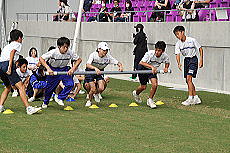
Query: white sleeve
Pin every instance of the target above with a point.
(17, 47)
(146, 58)
(74, 55)
(196, 44)
(112, 60)
(90, 60)
(48, 55)
(166, 59)
(177, 49)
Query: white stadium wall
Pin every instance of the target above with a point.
(213, 36)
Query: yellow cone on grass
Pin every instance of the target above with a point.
(93, 106)
(68, 108)
(159, 103)
(8, 111)
(133, 104)
(113, 105)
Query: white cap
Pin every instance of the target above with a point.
(103, 46)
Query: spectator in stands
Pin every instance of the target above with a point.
(160, 5)
(103, 15)
(116, 15)
(128, 16)
(176, 4)
(201, 3)
(87, 5)
(63, 12)
(190, 15)
(140, 40)
(33, 59)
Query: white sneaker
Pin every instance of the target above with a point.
(136, 97)
(99, 95)
(96, 98)
(2, 109)
(81, 92)
(58, 101)
(151, 103)
(15, 93)
(197, 100)
(188, 102)
(87, 96)
(88, 103)
(31, 99)
(31, 110)
(44, 105)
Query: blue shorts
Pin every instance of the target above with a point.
(93, 77)
(144, 78)
(190, 66)
(13, 77)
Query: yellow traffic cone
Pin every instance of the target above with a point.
(113, 105)
(8, 111)
(93, 106)
(68, 108)
(159, 103)
(133, 105)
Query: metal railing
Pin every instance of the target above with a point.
(49, 16)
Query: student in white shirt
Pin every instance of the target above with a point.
(151, 61)
(97, 61)
(33, 59)
(9, 55)
(189, 48)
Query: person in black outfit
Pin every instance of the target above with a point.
(116, 12)
(87, 5)
(160, 5)
(127, 14)
(140, 40)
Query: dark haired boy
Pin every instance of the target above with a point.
(189, 48)
(151, 60)
(10, 54)
(58, 60)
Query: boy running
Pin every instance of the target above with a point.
(151, 60)
(10, 54)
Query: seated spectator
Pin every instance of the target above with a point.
(63, 12)
(33, 60)
(176, 4)
(201, 3)
(188, 15)
(37, 84)
(128, 16)
(87, 5)
(116, 15)
(103, 15)
(160, 5)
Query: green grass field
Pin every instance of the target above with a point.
(169, 128)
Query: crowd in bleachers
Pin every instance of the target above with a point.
(144, 10)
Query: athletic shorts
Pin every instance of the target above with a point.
(190, 66)
(144, 78)
(4, 78)
(93, 77)
(13, 77)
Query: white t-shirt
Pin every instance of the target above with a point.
(151, 58)
(99, 62)
(32, 61)
(5, 55)
(23, 76)
(56, 59)
(189, 48)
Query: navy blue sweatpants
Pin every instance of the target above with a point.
(53, 81)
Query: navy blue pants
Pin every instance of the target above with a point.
(190, 66)
(53, 81)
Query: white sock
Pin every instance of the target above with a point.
(196, 96)
(1, 106)
(190, 97)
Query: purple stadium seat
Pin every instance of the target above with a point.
(178, 18)
(215, 3)
(143, 18)
(149, 7)
(135, 18)
(171, 16)
(224, 4)
(203, 15)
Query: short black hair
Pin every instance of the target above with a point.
(22, 61)
(15, 34)
(63, 40)
(178, 28)
(160, 45)
(51, 48)
(30, 51)
(41, 69)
